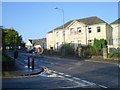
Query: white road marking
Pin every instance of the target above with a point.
(91, 83)
(67, 75)
(61, 73)
(78, 81)
(54, 71)
(76, 78)
(60, 76)
(103, 86)
(27, 67)
(69, 79)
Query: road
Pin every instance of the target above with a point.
(69, 72)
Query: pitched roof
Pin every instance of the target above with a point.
(88, 21)
(65, 25)
(91, 20)
(37, 41)
(116, 21)
(49, 32)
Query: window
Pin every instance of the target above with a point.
(89, 30)
(56, 34)
(79, 42)
(118, 41)
(98, 29)
(90, 42)
(116, 28)
(71, 30)
(79, 29)
(57, 45)
(63, 33)
(72, 43)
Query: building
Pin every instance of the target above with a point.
(79, 31)
(116, 35)
(36, 43)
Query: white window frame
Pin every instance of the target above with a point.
(90, 42)
(79, 29)
(89, 30)
(63, 33)
(79, 42)
(57, 33)
(71, 30)
(98, 28)
(57, 45)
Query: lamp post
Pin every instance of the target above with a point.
(62, 27)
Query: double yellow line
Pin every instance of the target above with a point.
(27, 76)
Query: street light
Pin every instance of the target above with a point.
(63, 27)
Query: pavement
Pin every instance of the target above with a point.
(21, 71)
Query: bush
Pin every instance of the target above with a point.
(7, 63)
(58, 53)
(46, 51)
(114, 55)
(86, 51)
(69, 50)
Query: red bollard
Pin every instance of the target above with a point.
(32, 63)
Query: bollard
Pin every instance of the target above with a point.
(15, 54)
(32, 63)
(28, 62)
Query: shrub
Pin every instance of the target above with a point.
(69, 50)
(114, 55)
(7, 63)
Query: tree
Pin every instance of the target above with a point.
(11, 38)
(99, 44)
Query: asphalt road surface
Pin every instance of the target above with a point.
(67, 73)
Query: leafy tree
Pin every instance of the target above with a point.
(11, 37)
(99, 44)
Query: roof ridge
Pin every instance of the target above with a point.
(87, 17)
(116, 21)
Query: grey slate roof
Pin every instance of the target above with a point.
(116, 21)
(37, 41)
(65, 25)
(88, 21)
(49, 32)
(91, 20)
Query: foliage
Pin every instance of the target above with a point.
(10, 38)
(46, 51)
(69, 50)
(58, 53)
(98, 45)
(95, 49)
(85, 52)
(114, 55)
(4, 58)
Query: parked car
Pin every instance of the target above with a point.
(36, 50)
